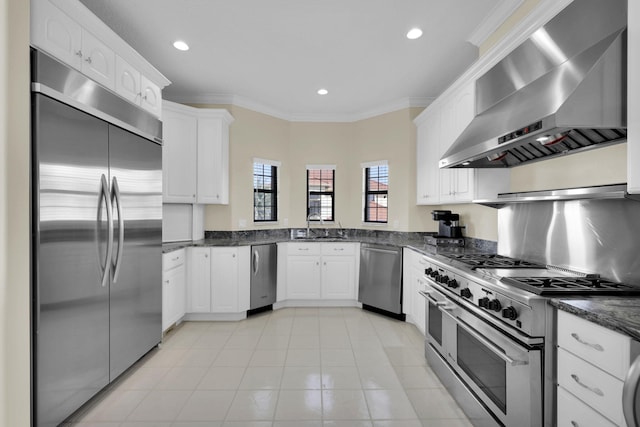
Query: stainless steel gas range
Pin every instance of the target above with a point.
(490, 333)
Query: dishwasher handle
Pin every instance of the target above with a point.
(380, 250)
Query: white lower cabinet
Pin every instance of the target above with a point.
(320, 271)
(338, 276)
(303, 277)
(219, 280)
(173, 287)
(592, 365)
(413, 304)
(199, 283)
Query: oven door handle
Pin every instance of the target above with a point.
(496, 350)
(426, 293)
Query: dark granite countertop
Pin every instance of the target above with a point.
(620, 314)
(397, 240)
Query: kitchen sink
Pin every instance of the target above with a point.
(303, 236)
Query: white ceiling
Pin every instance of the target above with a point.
(273, 55)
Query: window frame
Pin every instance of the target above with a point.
(369, 192)
(274, 166)
(332, 194)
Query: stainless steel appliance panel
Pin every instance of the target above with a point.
(584, 235)
(71, 259)
(505, 375)
(264, 267)
(381, 277)
(136, 293)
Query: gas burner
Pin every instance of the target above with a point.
(492, 261)
(571, 285)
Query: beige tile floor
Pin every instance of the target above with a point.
(294, 367)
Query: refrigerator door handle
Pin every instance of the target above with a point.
(107, 200)
(630, 393)
(256, 261)
(116, 200)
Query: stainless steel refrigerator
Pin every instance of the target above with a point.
(97, 238)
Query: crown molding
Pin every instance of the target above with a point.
(241, 101)
(498, 15)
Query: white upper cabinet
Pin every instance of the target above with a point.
(127, 80)
(213, 157)
(137, 88)
(55, 32)
(179, 151)
(427, 157)
(98, 61)
(437, 130)
(67, 30)
(150, 96)
(195, 154)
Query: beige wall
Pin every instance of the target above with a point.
(14, 214)
(252, 135)
(596, 167)
(389, 137)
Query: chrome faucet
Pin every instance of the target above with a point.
(311, 216)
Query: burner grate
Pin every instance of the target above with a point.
(571, 285)
(491, 260)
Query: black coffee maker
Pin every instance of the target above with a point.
(449, 224)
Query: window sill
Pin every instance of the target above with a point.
(375, 224)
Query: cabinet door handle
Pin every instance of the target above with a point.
(595, 390)
(79, 53)
(338, 249)
(88, 60)
(303, 249)
(597, 347)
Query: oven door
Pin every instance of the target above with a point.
(504, 374)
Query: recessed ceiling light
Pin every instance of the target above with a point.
(414, 33)
(180, 45)
(322, 91)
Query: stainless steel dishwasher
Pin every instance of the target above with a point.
(264, 267)
(380, 287)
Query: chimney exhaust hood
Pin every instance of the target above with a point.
(563, 90)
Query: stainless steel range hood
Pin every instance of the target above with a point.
(562, 91)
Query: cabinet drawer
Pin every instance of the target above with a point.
(303, 248)
(572, 412)
(604, 348)
(338, 248)
(172, 259)
(596, 388)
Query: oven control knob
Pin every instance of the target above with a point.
(483, 302)
(466, 293)
(510, 313)
(428, 271)
(495, 305)
(453, 283)
(435, 275)
(443, 279)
